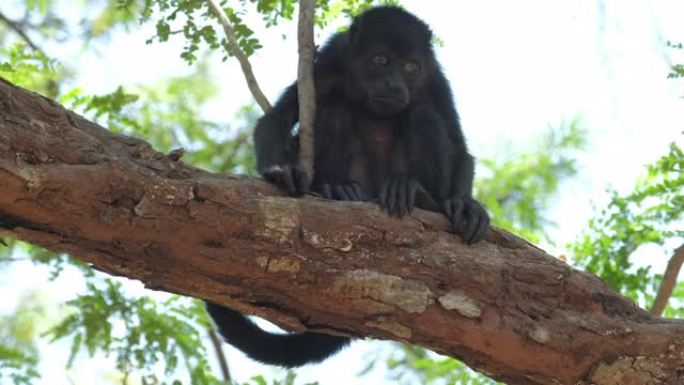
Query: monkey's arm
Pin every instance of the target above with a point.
(469, 218)
(445, 168)
(277, 148)
(273, 137)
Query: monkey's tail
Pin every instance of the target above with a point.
(287, 350)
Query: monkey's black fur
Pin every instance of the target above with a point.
(386, 129)
(288, 350)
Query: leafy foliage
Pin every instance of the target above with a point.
(31, 69)
(289, 379)
(651, 214)
(17, 365)
(416, 365)
(18, 355)
(153, 333)
(517, 188)
(168, 116)
(190, 19)
(677, 69)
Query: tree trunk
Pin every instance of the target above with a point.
(503, 306)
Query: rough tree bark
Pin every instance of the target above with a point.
(503, 306)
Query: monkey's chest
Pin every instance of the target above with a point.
(371, 161)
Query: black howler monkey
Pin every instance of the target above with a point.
(386, 130)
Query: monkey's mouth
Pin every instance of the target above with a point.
(386, 106)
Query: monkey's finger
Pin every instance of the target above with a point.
(469, 228)
(302, 182)
(448, 208)
(359, 192)
(402, 196)
(392, 197)
(384, 192)
(387, 195)
(283, 179)
(289, 181)
(426, 202)
(327, 193)
(471, 218)
(288, 178)
(272, 177)
(349, 190)
(457, 213)
(482, 226)
(340, 193)
(413, 189)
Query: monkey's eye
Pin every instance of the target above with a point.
(411, 67)
(380, 60)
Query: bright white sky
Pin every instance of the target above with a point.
(516, 68)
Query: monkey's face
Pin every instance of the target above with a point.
(387, 81)
(389, 60)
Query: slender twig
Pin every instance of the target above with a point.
(223, 362)
(235, 50)
(669, 280)
(19, 30)
(305, 84)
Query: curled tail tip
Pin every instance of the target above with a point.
(286, 350)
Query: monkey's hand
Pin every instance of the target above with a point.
(344, 191)
(468, 218)
(398, 194)
(291, 178)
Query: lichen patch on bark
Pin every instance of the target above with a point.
(409, 295)
(456, 300)
(540, 334)
(336, 241)
(637, 370)
(280, 220)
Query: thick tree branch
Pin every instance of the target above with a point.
(503, 306)
(669, 281)
(235, 50)
(305, 84)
